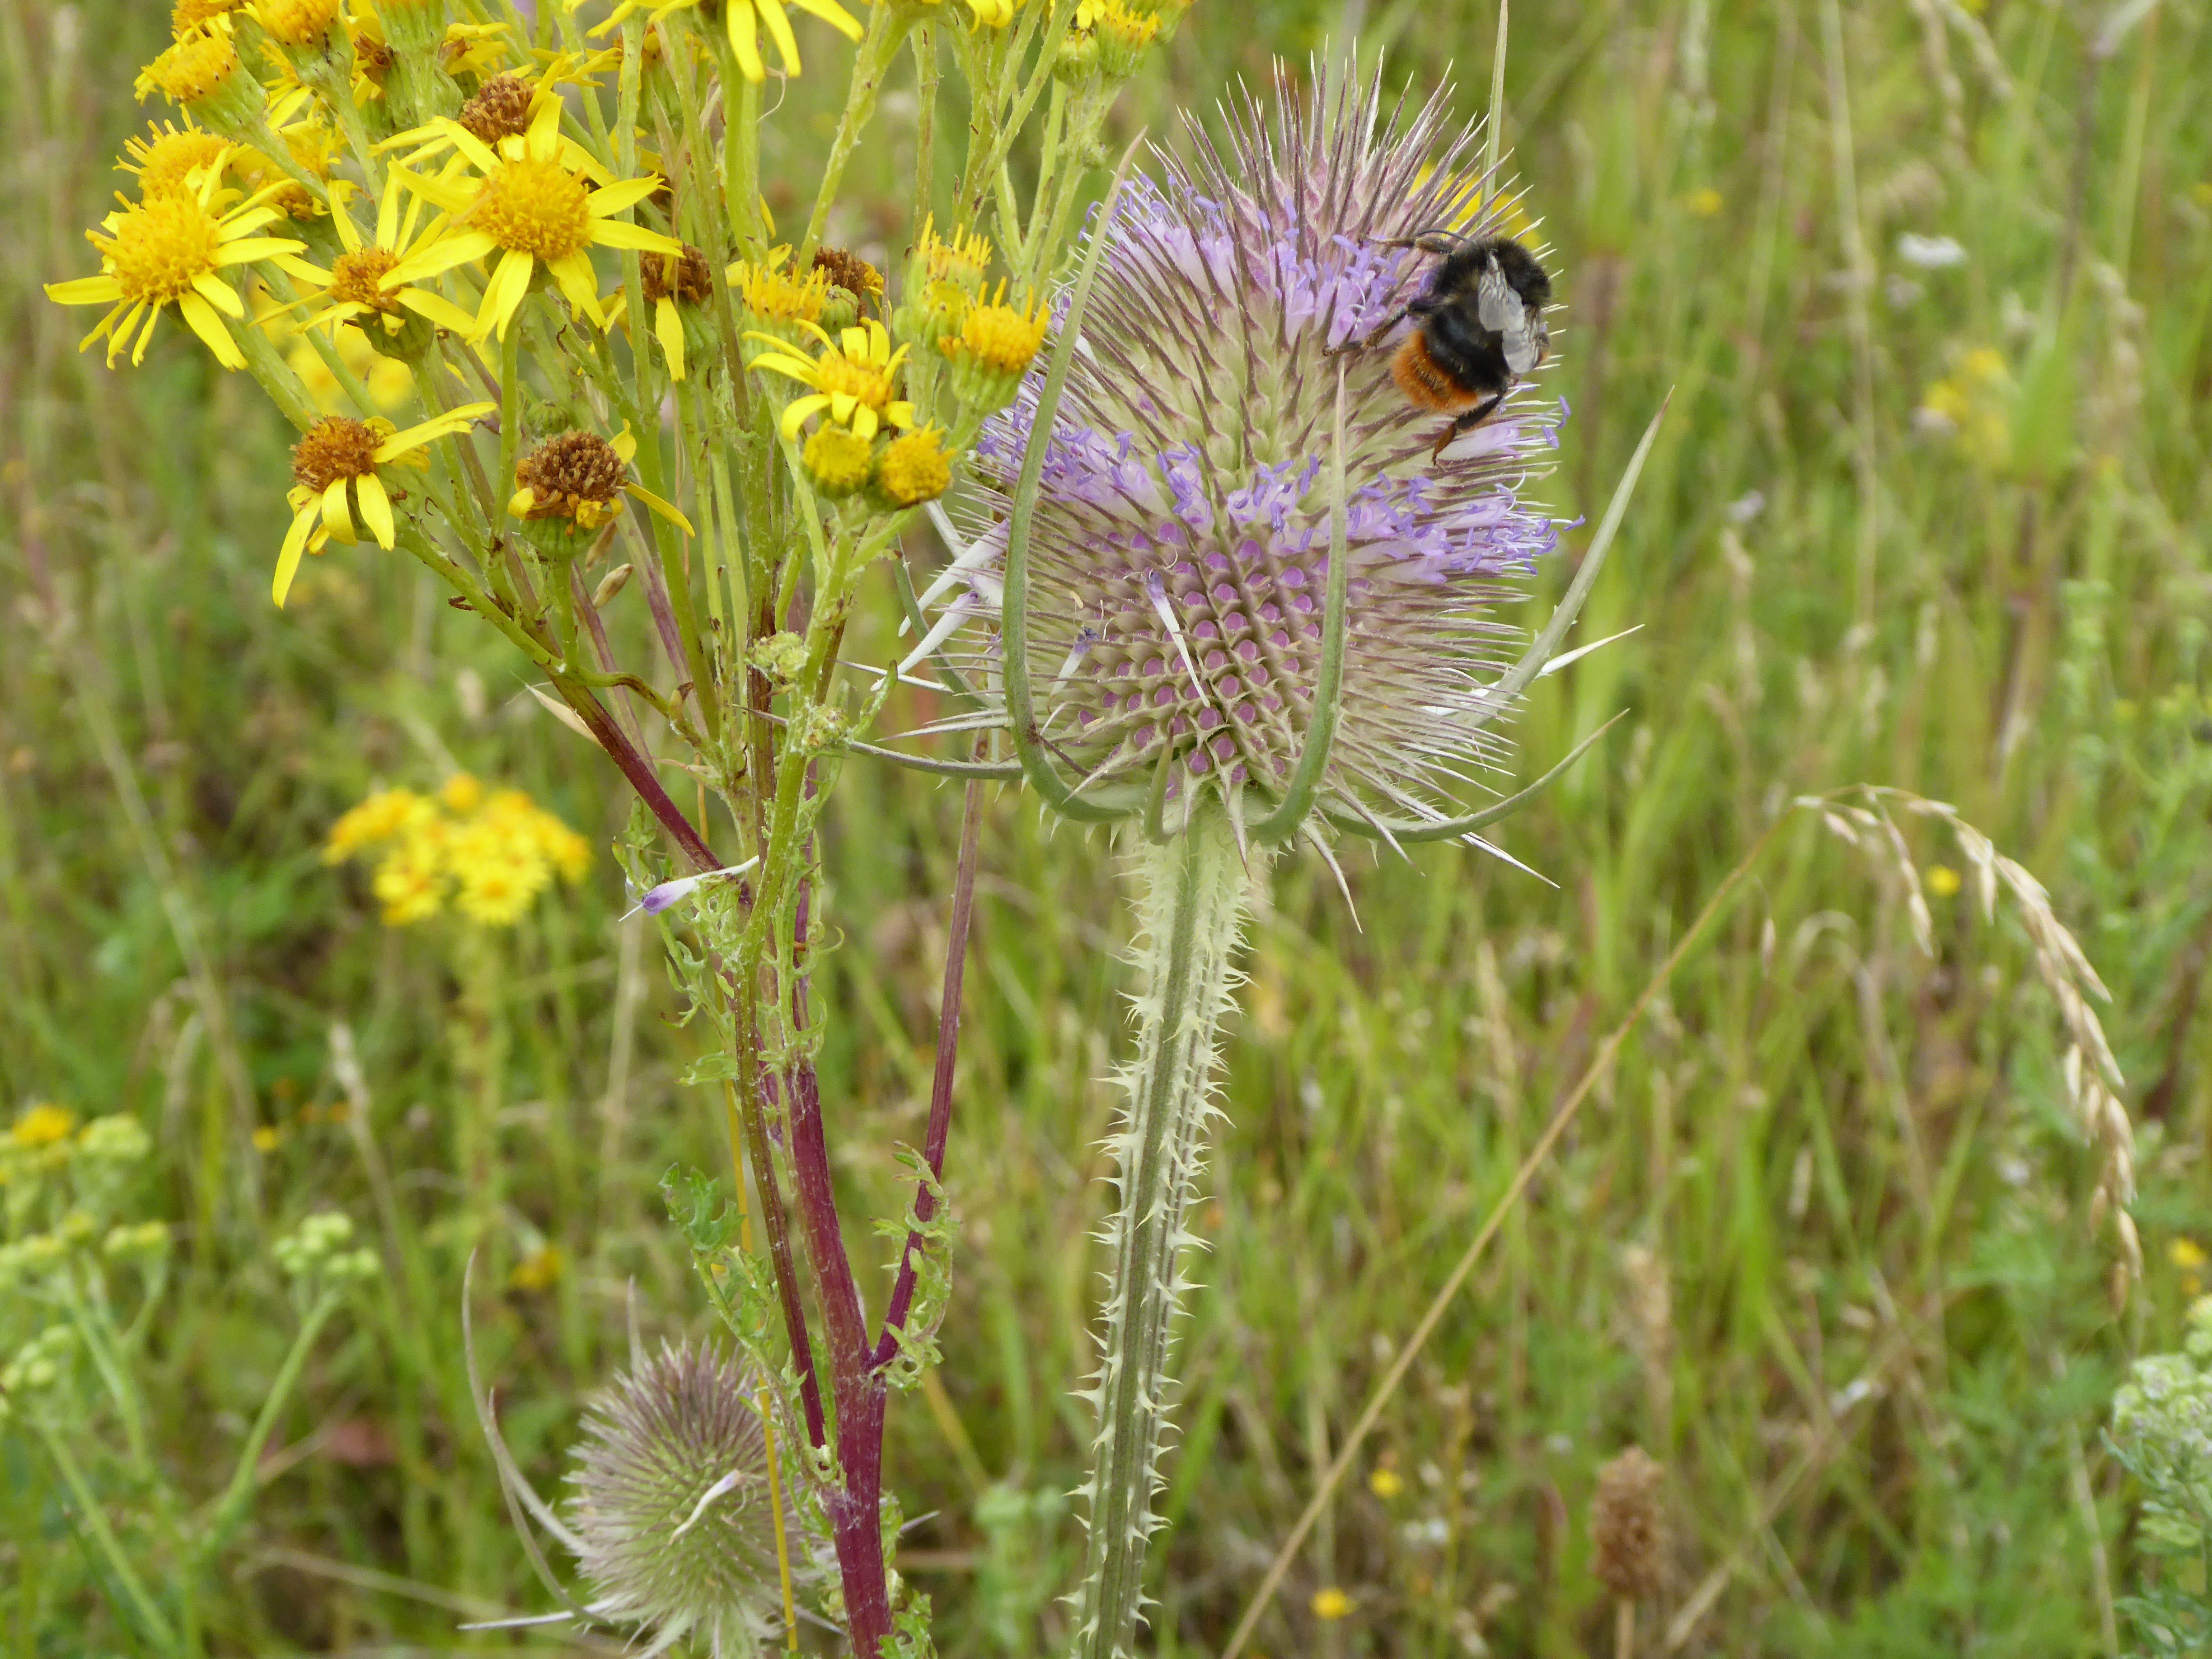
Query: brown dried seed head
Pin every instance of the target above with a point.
(1628, 1526)
(687, 276)
(335, 448)
(500, 109)
(565, 472)
(848, 271)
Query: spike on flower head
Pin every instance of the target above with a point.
(675, 1523)
(1180, 547)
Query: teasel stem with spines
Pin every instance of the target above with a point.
(1193, 905)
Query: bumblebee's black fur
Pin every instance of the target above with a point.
(1454, 361)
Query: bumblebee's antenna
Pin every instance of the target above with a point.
(1496, 110)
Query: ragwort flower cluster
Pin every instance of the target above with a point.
(486, 855)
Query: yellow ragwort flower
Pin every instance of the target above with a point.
(43, 1125)
(855, 379)
(915, 468)
(998, 336)
(334, 472)
(530, 205)
(837, 459)
(296, 22)
(194, 67)
(353, 287)
(165, 159)
(171, 250)
(189, 14)
(384, 816)
(963, 261)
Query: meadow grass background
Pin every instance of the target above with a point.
(1821, 1239)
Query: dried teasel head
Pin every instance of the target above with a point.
(1628, 1526)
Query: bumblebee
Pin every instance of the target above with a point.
(1478, 328)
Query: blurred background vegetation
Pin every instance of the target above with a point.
(1931, 283)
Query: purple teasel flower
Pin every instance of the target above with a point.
(1178, 557)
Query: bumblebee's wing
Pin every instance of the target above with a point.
(1519, 326)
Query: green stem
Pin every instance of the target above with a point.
(95, 1522)
(1192, 912)
(230, 1509)
(887, 27)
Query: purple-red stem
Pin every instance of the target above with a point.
(940, 1086)
(639, 771)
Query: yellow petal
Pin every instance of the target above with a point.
(778, 30)
(248, 249)
(451, 192)
(864, 423)
(544, 136)
(337, 519)
(742, 41)
(430, 431)
(439, 309)
(615, 197)
(349, 233)
(486, 159)
(85, 291)
(796, 416)
(375, 509)
(219, 294)
(520, 502)
(429, 260)
(624, 444)
(779, 363)
(664, 509)
(145, 334)
(832, 13)
(387, 214)
(301, 271)
(296, 543)
(200, 316)
(615, 232)
(574, 274)
(668, 329)
(503, 294)
(900, 415)
(842, 405)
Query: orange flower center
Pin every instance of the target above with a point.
(159, 248)
(534, 207)
(354, 276)
(335, 447)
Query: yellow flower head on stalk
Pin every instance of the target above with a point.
(855, 378)
(43, 1125)
(479, 50)
(189, 14)
(964, 261)
(992, 349)
(193, 69)
(775, 297)
(313, 147)
(838, 460)
(302, 23)
(164, 160)
(353, 288)
(531, 205)
(915, 468)
(486, 853)
(667, 279)
(335, 474)
(171, 250)
(581, 476)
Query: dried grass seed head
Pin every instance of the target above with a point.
(1179, 554)
(1628, 1526)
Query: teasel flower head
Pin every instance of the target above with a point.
(1177, 565)
(674, 1511)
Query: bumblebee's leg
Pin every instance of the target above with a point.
(1460, 427)
(1366, 341)
(1429, 241)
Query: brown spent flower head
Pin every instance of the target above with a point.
(371, 56)
(850, 272)
(336, 447)
(571, 477)
(500, 109)
(667, 276)
(1628, 1526)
